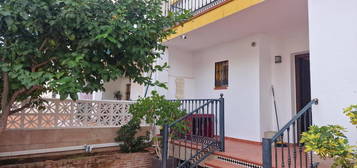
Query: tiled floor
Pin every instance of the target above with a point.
(252, 153)
(244, 151)
(221, 164)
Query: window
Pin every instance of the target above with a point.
(221, 75)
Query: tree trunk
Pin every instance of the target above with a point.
(3, 120)
(2, 127)
(5, 107)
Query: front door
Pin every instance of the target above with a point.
(303, 89)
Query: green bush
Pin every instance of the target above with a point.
(351, 112)
(331, 142)
(154, 110)
(131, 142)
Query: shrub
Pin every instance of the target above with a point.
(331, 142)
(351, 112)
(131, 142)
(154, 110)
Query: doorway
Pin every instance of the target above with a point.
(303, 89)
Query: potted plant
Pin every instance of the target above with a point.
(118, 95)
(155, 111)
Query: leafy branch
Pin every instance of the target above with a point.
(75, 46)
(331, 142)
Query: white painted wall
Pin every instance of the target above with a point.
(333, 44)
(242, 112)
(97, 95)
(113, 86)
(136, 91)
(286, 43)
(162, 77)
(181, 66)
(252, 72)
(265, 83)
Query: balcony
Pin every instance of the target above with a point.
(204, 12)
(196, 7)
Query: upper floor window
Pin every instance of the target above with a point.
(221, 75)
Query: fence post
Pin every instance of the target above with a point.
(221, 122)
(165, 146)
(267, 158)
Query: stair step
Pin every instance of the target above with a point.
(238, 160)
(215, 163)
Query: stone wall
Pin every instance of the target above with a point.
(116, 160)
(19, 140)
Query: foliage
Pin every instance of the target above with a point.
(156, 110)
(331, 142)
(131, 142)
(118, 95)
(71, 46)
(351, 112)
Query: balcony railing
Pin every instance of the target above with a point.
(72, 114)
(196, 7)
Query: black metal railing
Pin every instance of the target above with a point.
(284, 148)
(193, 137)
(194, 6)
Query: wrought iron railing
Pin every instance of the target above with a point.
(194, 6)
(284, 148)
(196, 135)
(71, 114)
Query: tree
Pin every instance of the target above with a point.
(71, 46)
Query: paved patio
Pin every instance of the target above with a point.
(251, 152)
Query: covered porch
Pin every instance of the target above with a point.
(249, 41)
(203, 142)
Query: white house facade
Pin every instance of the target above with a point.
(273, 61)
(305, 49)
(252, 75)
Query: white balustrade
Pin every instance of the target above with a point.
(72, 114)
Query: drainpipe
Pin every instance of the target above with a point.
(86, 148)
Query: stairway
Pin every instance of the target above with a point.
(217, 163)
(238, 154)
(200, 156)
(203, 133)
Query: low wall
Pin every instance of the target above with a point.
(127, 160)
(19, 140)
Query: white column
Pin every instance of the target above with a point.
(333, 52)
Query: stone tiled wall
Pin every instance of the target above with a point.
(19, 140)
(118, 160)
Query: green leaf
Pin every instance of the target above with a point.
(5, 13)
(9, 21)
(71, 46)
